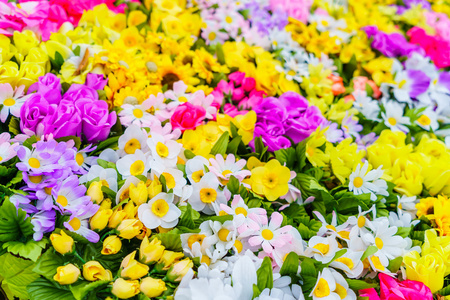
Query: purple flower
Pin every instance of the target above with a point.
(43, 221)
(273, 142)
(49, 86)
(70, 196)
(65, 121)
(80, 91)
(97, 120)
(33, 112)
(96, 81)
(421, 82)
(23, 202)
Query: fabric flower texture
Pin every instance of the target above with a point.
(363, 181)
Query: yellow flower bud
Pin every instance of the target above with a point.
(168, 258)
(150, 252)
(116, 218)
(139, 194)
(145, 232)
(62, 242)
(163, 230)
(67, 274)
(154, 188)
(25, 40)
(130, 228)
(179, 269)
(95, 192)
(111, 245)
(125, 289)
(100, 219)
(93, 271)
(130, 209)
(152, 287)
(131, 268)
(428, 269)
(106, 204)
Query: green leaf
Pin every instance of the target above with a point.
(171, 240)
(81, 289)
(234, 144)
(13, 223)
(403, 231)
(265, 275)
(394, 264)
(189, 154)
(93, 252)
(290, 265)
(287, 156)
(357, 285)
(309, 274)
(31, 249)
(444, 292)
(18, 178)
(109, 143)
(108, 192)
(220, 147)
(46, 264)
(233, 185)
(43, 289)
(220, 54)
(17, 274)
(30, 141)
(14, 126)
(369, 251)
(188, 216)
(308, 227)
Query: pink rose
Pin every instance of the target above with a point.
(297, 9)
(393, 289)
(187, 116)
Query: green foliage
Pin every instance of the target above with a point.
(13, 223)
(290, 265)
(48, 262)
(82, 288)
(220, 147)
(171, 240)
(29, 249)
(265, 275)
(15, 274)
(44, 289)
(188, 216)
(357, 285)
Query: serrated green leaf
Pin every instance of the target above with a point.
(290, 265)
(220, 147)
(81, 289)
(31, 249)
(14, 126)
(444, 292)
(93, 252)
(286, 156)
(265, 275)
(188, 216)
(17, 178)
(171, 240)
(13, 223)
(43, 289)
(48, 262)
(17, 274)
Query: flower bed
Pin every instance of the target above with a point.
(214, 149)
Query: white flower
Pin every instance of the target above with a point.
(408, 204)
(164, 152)
(331, 285)
(323, 248)
(360, 224)
(133, 164)
(174, 180)
(132, 139)
(366, 105)
(108, 176)
(206, 194)
(223, 169)
(393, 117)
(350, 263)
(428, 120)
(196, 168)
(12, 100)
(401, 219)
(138, 115)
(159, 211)
(367, 182)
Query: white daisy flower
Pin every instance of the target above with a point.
(223, 169)
(108, 177)
(368, 182)
(164, 152)
(331, 285)
(132, 139)
(159, 211)
(350, 263)
(174, 178)
(366, 105)
(196, 168)
(323, 248)
(138, 115)
(12, 100)
(133, 164)
(393, 117)
(360, 224)
(407, 204)
(428, 120)
(206, 194)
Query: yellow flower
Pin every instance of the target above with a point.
(437, 244)
(152, 287)
(173, 27)
(93, 271)
(67, 274)
(318, 82)
(125, 289)
(407, 177)
(24, 41)
(9, 72)
(210, 131)
(129, 228)
(130, 38)
(100, 219)
(425, 206)
(437, 177)
(139, 193)
(179, 269)
(344, 158)
(116, 218)
(95, 191)
(271, 180)
(313, 152)
(154, 188)
(135, 18)
(205, 64)
(131, 268)
(194, 141)
(111, 245)
(150, 252)
(62, 242)
(428, 269)
(169, 6)
(168, 258)
(246, 126)
(441, 215)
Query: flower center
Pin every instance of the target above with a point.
(267, 234)
(197, 175)
(195, 238)
(379, 243)
(361, 221)
(138, 113)
(229, 19)
(270, 180)
(323, 248)
(75, 223)
(322, 289)
(160, 208)
(170, 180)
(208, 195)
(376, 263)
(205, 259)
(34, 162)
(240, 211)
(182, 99)
(137, 168)
(79, 158)
(331, 227)
(223, 234)
(9, 102)
(341, 291)
(238, 245)
(162, 150)
(392, 121)
(62, 200)
(212, 36)
(358, 182)
(131, 146)
(424, 120)
(226, 172)
(48, 190)
(35, 179)
(402, 83)
(346, 261)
